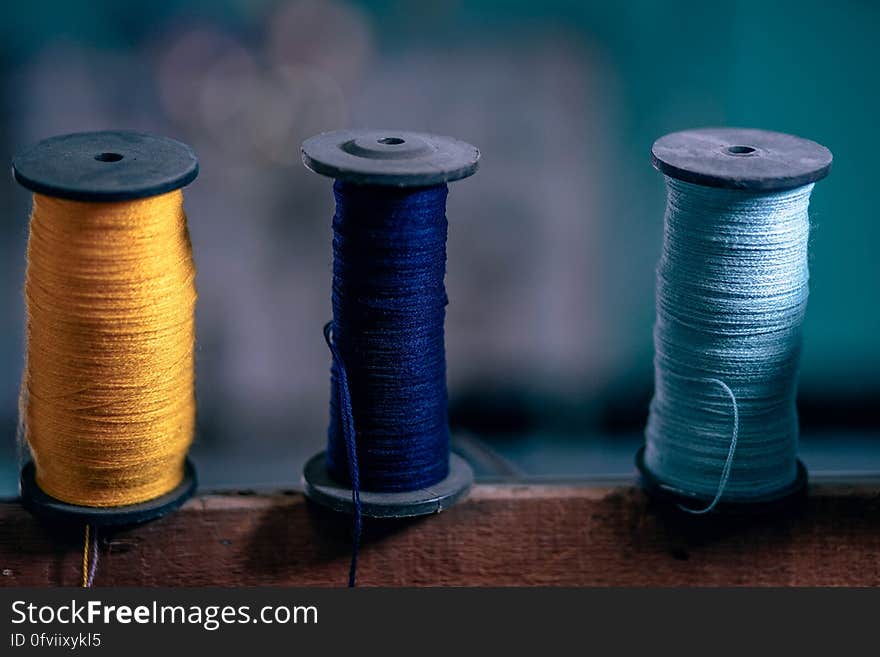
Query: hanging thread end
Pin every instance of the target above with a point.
(90, 556)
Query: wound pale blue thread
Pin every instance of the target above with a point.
(732, 287)
(388, 428)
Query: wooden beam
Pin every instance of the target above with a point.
(501, 535)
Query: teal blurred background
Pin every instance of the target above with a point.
(553, 243)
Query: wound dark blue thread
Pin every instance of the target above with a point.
(388, 428)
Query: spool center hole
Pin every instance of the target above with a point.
(391, 141)
(740, 150)
(108, 157)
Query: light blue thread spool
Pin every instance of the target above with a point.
(732, 288)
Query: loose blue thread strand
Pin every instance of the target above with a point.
(388, 428)
(342, 397)
(732, 287)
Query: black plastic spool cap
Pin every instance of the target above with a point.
(750, 160)
(389, 158)
(103, 167)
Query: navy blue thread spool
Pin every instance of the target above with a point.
(740, 159)
(102, 167)
(389, 163)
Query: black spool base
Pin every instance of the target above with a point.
(677, 498)
(321, 488)
(47, 507)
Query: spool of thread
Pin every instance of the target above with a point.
(388, 450)
(732, 288)
(107, 400)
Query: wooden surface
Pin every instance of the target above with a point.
(500, 535)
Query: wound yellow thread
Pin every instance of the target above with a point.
(107, 394)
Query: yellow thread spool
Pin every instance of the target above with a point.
(108, 405)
